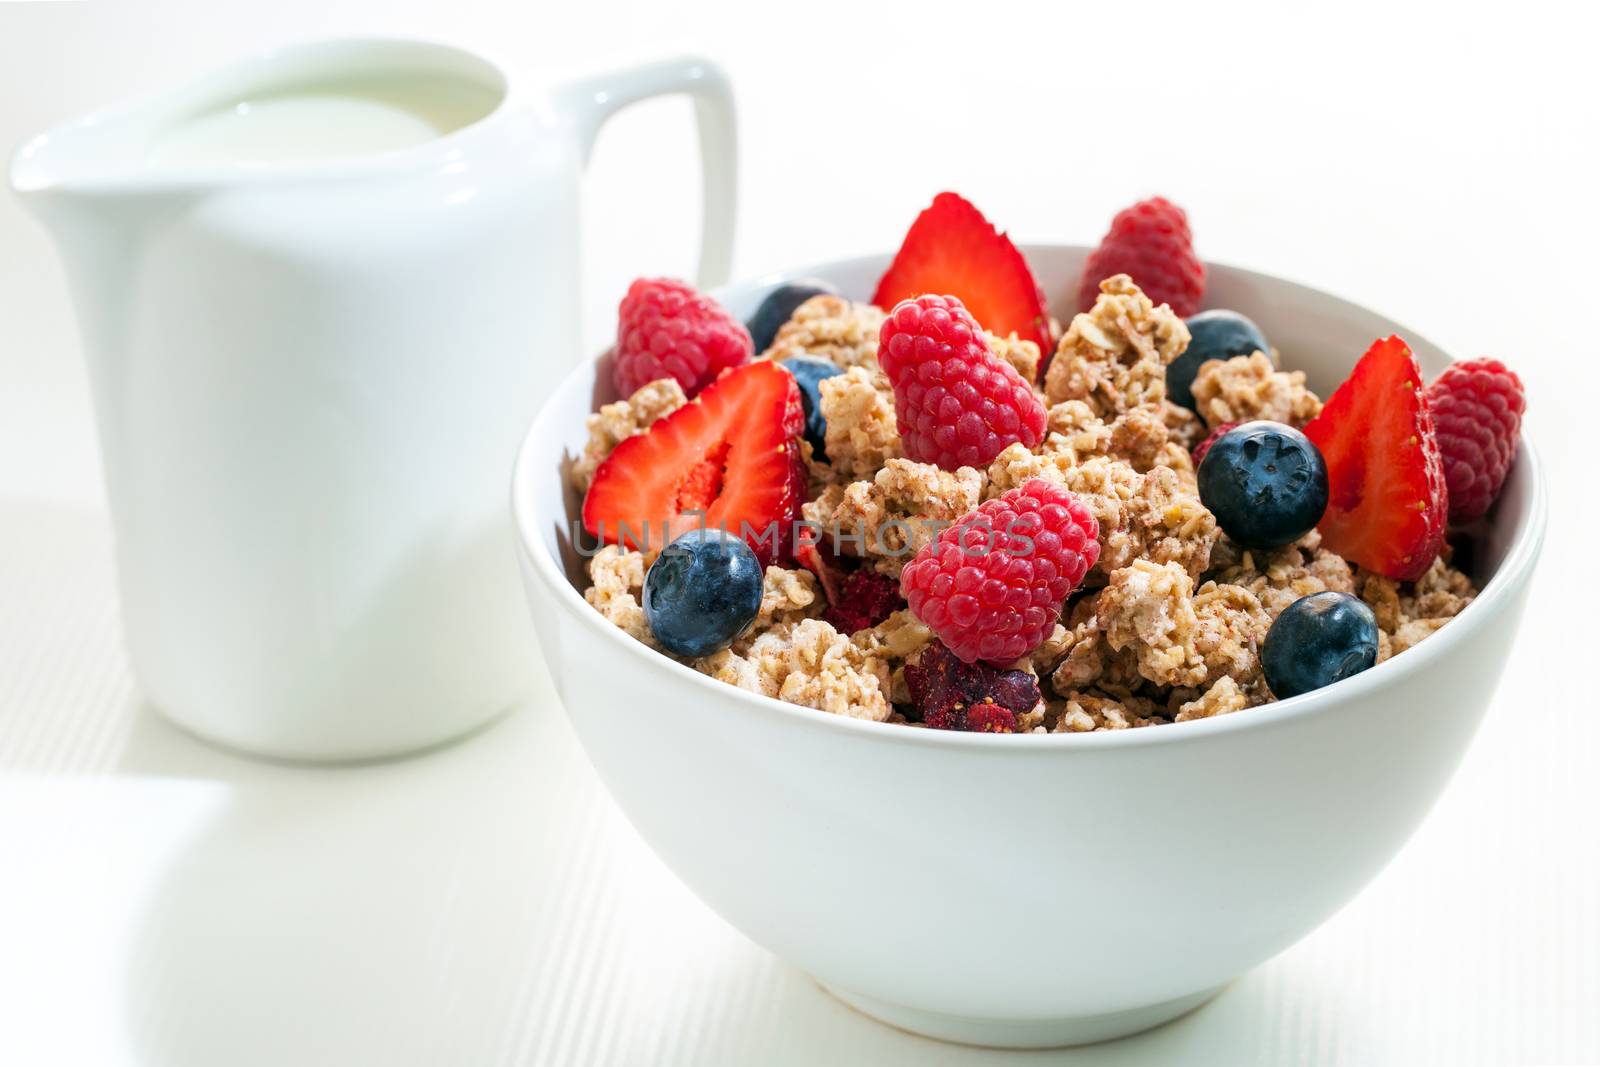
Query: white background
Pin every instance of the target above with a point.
(161, 903)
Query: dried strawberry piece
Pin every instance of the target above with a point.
(951, 695)
(865, 599)
(990, 718)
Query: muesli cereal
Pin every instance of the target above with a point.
(1174, 594)
(811, 664)
(1407, 617)
(888, 519)
(615, 422)
(861, 435)
(1243, 388)
(1114, 356)
(831, 328)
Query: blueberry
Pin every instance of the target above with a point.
(702, 591)
(1265, 482)
(779, 304)
(808, 372)
(1214, 334)
(1318, 640)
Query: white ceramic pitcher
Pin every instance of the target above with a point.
(321, 293)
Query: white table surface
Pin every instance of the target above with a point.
(162, 902)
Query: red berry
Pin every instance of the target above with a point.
(956, 404)
(1387, 501)
(731, 454)
(1203, 447)
(992, 585)
(952, 248)
(1477, 414)
(1151, 243)
(987, 717)
(666, 329)
(948, 694)
(865, 599)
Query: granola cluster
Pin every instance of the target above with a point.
(831, 328)
(1410, 612)
(615, 422)
(1114, 356)
(1170, 622)
(1250, 387)
(886, 520)
(861, 435)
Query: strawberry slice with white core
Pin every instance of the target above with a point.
(731, 453)
(1387, 501)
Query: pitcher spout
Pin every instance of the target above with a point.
(80, 181)
(88, 185)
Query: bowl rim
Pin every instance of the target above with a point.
(1513, 574)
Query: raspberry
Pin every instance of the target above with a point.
(1203, 447)
(951, 695)
(866, 599)
(1149, 241)
(1477, 415)
(666, 329)
(992, 585)
(957, 405)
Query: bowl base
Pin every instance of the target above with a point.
(1023, 1033)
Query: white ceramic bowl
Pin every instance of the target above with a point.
(1033, 890)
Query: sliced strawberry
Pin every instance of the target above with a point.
(731, 452)
(952, 249)
(1387, 501)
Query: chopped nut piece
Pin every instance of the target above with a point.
(616, 422)
(1249, 387)
(831, 328)
(1114, 356)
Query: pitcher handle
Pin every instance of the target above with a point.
(590, 101)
